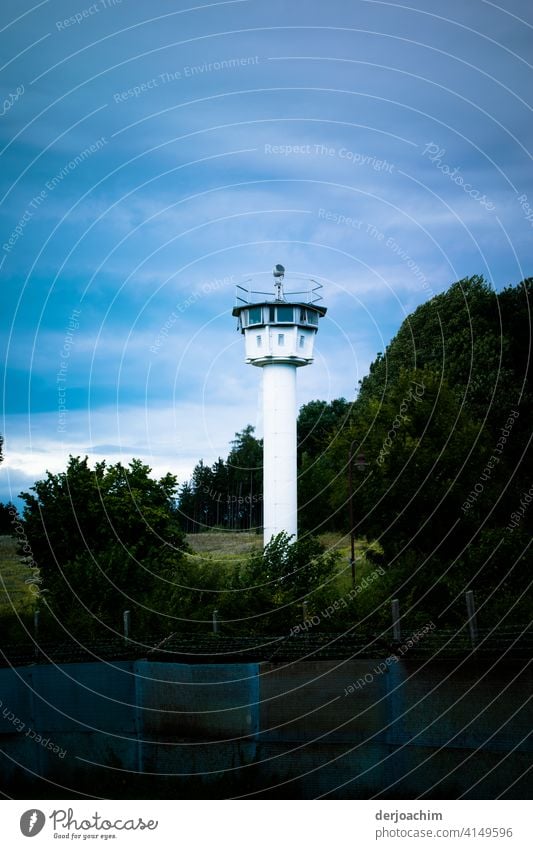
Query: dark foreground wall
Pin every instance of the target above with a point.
(346, 729)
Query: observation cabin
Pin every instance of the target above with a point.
(279, 330)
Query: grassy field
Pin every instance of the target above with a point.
(227, 548)
(14, 593)
(225, 545)
(229, 544)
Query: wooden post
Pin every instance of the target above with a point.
(304, 611)
(215, 621)
(361, 466)
(352, 529)
(472, 619)
(396, 630)
(126, 616)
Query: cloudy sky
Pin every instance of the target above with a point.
(155, 154)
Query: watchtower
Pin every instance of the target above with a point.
(279, 336)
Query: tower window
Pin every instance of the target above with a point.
(259, 341)
(281, 338)
(312, 317)
(255, 315)
(271, 313)
(285, 314)
(302, 341)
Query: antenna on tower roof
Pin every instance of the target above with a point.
(279, 273)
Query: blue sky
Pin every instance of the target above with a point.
(155, 154)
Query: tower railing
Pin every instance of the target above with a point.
(249, 296)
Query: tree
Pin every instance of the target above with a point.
(448, 464)
(320, 425)
(319, 422)
(266, 593)
(105, 539)
(245, 473)
(186, 507)
(228, 494)
(424, 455)
(475, 338)
(7, 513)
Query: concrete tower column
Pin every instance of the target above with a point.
(280, 503)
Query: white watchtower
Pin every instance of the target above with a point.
(279, 336)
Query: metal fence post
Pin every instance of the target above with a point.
(126, 616)
(36, 623)
(215, 621)
(396, 630)
(472, 619)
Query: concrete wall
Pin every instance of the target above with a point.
(354, 729)
(345, 729)
(95, 726)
